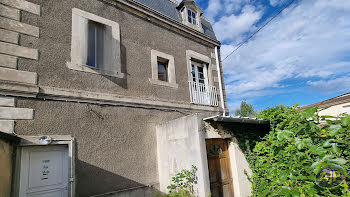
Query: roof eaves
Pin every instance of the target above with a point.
(237, 119)
(192, 31)
(330, 102)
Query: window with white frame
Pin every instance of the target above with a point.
(202, 90)
(199, 73)
(95, 46)
(191, 16)
(163, 69)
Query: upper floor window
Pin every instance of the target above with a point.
(95, 46)
(163, 69)
(202, 89)
(191, 17)
(199, 73)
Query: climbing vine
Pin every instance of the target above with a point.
(286, 161)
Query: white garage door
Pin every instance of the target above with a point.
(44, 171)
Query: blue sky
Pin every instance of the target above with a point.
(302, 56)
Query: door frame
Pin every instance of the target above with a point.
(226, 141)
(56, 140)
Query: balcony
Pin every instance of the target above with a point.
(203, 94)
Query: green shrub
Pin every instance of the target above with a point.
(285, 162)
(182, 184)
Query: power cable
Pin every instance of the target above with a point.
(242, 43)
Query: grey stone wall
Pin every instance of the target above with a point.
(138, 38)
(115, 146)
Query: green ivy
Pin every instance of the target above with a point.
(285, 162)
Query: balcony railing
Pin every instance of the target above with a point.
(203, 94)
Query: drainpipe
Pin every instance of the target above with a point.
(220, 84)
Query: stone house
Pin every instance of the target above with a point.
(109, 97)
(333, 106)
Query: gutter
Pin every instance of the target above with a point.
(220, 84)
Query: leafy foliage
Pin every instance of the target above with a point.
(286, 161)
(246, 110)
(182, 184)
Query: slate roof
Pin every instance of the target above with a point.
(168, 8)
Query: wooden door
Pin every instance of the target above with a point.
(219, 168)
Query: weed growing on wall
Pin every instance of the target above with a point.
(303, 154)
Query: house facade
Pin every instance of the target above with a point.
(334, 106)
(95, 89)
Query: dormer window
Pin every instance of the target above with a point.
(192, 17)
(191, 14)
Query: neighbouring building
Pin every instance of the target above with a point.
(113, 98)
(333, 106)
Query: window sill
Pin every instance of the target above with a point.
(163, 83)
(86, 68)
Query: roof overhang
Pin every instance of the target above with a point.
(236, 119)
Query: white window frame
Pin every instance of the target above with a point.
(197, 57)
(208, 95)
(192, 19)
(205, 71)
(79, 44)
(155, 55)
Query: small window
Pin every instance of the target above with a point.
(163, 71)
(95, 44)
(192, 17)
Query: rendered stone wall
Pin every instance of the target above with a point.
(181, 144)
(138, 36)
(335, 110)
(239, 165)
(116, 147)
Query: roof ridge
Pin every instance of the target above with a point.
(205, 18)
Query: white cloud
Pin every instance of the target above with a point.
(308, 43)
(231, 27)
(234, 6)
(214, 8)
(330, 86)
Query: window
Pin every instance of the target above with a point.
(199, 73)
(199, 76)
(191, 17)
(163, 69)
(95, 46)
(202, 90)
